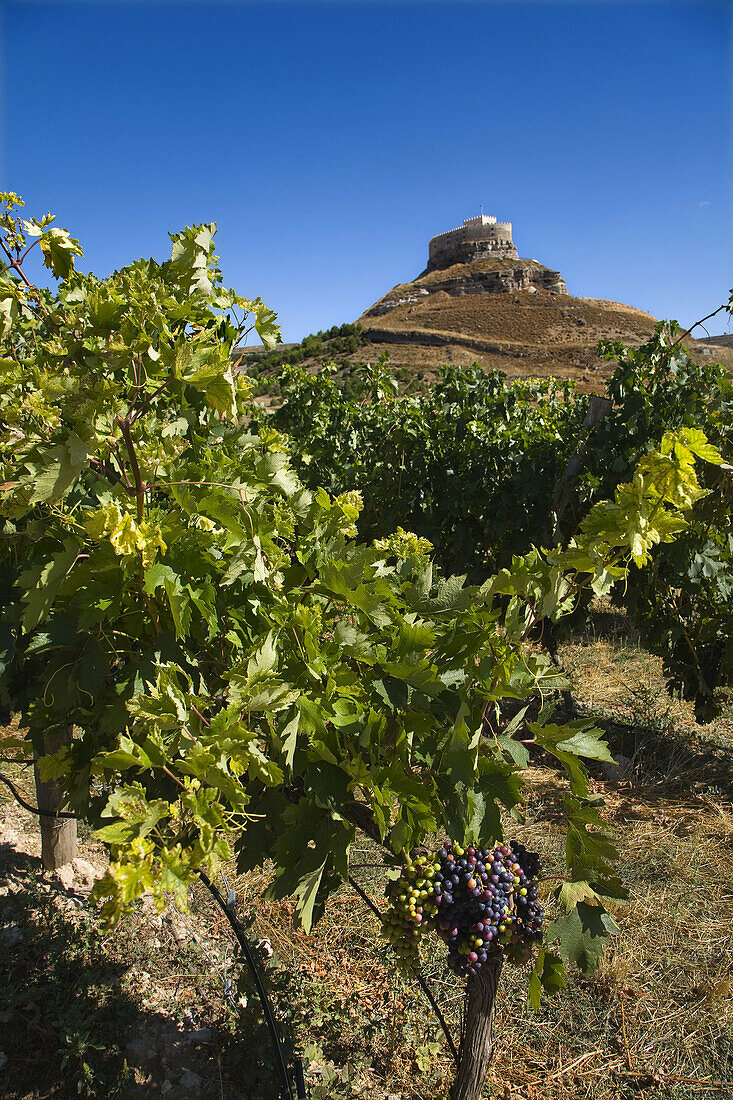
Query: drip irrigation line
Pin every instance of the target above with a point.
(421, 980)
(300, 1079)
(228, 909)
(27, 806)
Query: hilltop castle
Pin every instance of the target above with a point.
(480, 238)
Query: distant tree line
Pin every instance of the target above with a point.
(338, 340)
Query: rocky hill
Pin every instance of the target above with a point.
(513, 315)
(508, 314)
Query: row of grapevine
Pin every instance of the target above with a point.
(478, 466)
(470, 465)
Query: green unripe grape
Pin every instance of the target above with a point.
(416, 905)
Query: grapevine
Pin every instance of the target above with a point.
(511, 446)
(479, 901)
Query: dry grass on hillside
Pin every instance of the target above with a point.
(523, 318)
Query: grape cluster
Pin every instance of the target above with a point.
(478, 900)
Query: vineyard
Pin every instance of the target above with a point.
(335, 663)
(531, 459)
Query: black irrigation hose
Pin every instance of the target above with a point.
(228, 910)
(27, 806)
(421, 980)
(300, 1080)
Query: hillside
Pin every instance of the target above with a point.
(510, 315)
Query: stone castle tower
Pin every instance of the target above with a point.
(480, 238)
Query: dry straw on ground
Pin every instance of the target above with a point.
(656, 1020)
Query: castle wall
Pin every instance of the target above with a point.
(477, 238)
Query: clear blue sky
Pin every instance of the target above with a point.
(330, 140)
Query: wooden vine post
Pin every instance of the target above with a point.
(58, 835)
(477, 1032)
(598, 409)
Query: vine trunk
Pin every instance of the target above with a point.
(58, 835)
(477, 1035)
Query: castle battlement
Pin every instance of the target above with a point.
(479, 238)
(481, 219)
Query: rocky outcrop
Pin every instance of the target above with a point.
(503, 278)
(388, 303)
(468, 252)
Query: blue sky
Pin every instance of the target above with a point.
(330, 140)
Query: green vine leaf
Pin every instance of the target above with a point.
(582, 934)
